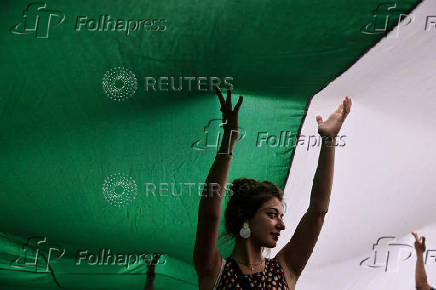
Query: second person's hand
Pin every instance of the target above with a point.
(419, 242)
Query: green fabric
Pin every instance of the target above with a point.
(61, 137)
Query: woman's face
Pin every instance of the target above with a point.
(267, 224)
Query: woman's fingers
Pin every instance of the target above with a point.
(220, 96)
(238, 105)
(319, 120)
(419, 241)
(228, 102)
(224, 103)
(346, 107)
(229, 98)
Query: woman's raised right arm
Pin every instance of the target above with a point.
(206, 255)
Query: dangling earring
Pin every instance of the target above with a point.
(245, 231)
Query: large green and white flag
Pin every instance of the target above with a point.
(109, 126)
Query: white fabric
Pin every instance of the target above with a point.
(384, 182)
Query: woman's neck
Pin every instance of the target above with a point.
(246, 252)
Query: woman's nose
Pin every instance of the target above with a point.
(281, 224)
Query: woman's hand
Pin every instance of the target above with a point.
(332, 126)
(419, 243)
(230, 117)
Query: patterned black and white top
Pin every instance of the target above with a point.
(272, 278)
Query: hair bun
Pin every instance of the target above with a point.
(244, 186)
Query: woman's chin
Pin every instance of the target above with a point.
(271, 244)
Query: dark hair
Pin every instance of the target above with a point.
(247, 196)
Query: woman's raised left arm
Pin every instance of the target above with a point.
(297, 251)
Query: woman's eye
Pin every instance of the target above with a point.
(272, 214)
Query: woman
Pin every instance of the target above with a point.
(420, 275)
(254, 215)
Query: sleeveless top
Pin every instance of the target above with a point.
(273, 276)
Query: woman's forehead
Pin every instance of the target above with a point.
(273, 203)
